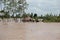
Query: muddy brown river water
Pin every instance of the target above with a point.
(30, 31)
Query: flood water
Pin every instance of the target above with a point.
(30, 31)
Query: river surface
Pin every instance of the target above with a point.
(30, 31)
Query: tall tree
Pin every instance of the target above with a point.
(14, 6)
(35, 15)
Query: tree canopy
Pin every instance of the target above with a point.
(14, 6)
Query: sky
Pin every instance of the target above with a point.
(44, 6)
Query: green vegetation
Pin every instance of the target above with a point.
(46, 18)
(50, 18)
(4, 14)
(14, 6)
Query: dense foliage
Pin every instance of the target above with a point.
(14, 6)
(50, 18)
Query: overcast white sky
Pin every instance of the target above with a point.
(44, 6)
